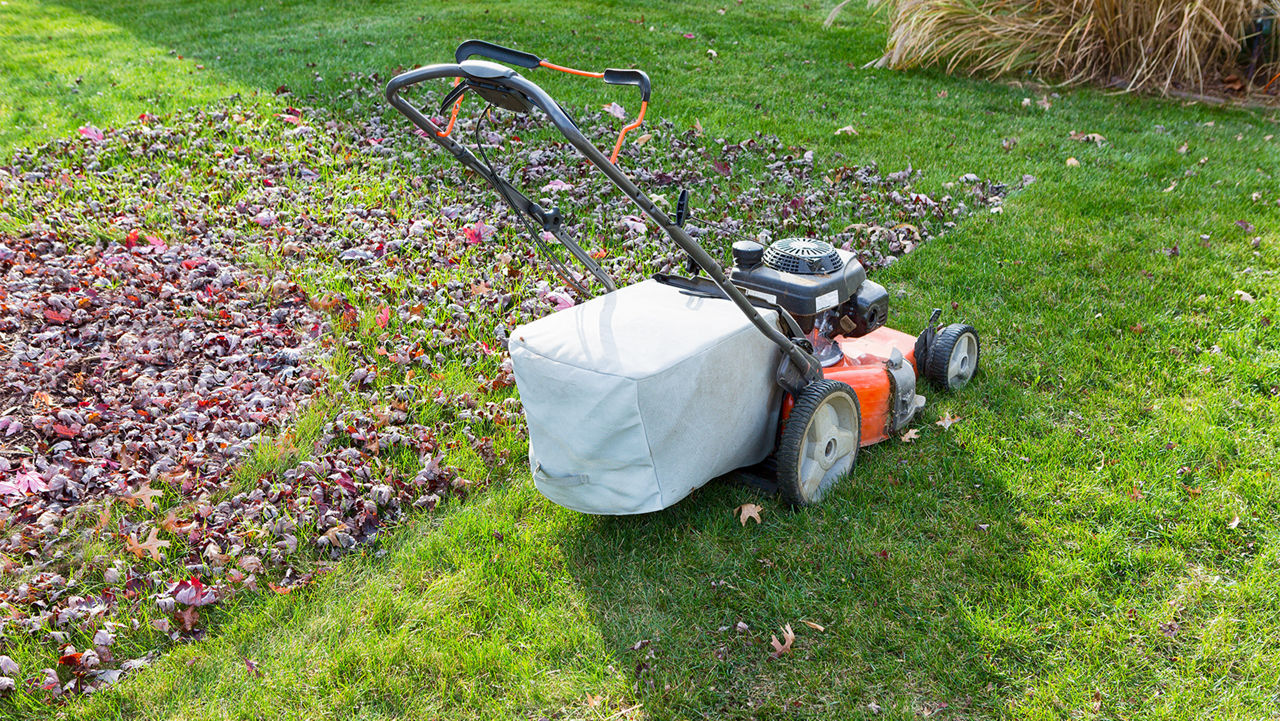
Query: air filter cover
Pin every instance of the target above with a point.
(803, 256)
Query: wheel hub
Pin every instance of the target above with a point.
(830, 445)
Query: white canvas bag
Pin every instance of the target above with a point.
(637, 397)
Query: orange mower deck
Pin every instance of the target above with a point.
(863, 368)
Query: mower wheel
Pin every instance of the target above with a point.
(953, 357)
(820, 441)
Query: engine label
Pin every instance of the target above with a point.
(827, 300)
(766, 297)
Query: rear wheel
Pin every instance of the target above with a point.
(953, 357)
(820, 442)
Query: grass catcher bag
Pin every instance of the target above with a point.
(637, 397)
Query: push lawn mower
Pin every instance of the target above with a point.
(781, 364)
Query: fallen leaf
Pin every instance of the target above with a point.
(746, 511)
(847, 130)
(781, 648)
(1072, 162)
(1088, 138)
(384, 316)
(1135, 493)
(910, 435)
(188, 618)
(643, 139)
(947, 421)
(814, 626)
(615, 110)
(150, 547)
(1234, 523)
(144, 494)
(1242, 295)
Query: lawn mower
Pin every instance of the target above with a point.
(779, 367)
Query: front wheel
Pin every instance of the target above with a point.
(953, 357)
(820, 441)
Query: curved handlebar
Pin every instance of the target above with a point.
(638, 78)
(496, 52)
(496, 77)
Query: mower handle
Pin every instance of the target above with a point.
(496, 52)
(799, 366)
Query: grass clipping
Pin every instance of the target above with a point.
(1134, 44)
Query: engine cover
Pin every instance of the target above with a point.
(802, 275)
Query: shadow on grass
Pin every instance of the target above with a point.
(900, 568)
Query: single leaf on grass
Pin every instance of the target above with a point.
(910, 435)
(814, 626)
(1235, 522)
(104, 516)
(783, 647)
(615, 110)
(175, 526)
(747, 511)
(1088, 138)
(847, 130)
(144, 494)
(384, 316)
(1135, 494)
(150, 547)
(188, 618)
(947, 421)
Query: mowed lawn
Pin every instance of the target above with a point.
(1095, 538)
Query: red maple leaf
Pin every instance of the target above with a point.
(384, 315)
(56, 316)
(64, 430)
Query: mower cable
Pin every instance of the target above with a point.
(557, 265)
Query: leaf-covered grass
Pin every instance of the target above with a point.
(1096, 537)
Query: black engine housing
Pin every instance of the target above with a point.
(810, 278)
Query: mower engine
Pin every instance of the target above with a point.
(824, 288)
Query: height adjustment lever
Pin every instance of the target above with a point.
(682, 208)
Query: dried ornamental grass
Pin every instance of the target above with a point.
(1137, 44)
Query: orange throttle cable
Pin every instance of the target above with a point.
(457, 104)
(644, 103)
(571, 71)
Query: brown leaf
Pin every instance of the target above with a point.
(814, 626)
(1088, 138)
(781, 648)
(175, 526)
(144, 494)
(149, 547)
(947, 421)
(747, 511)
(910, 435)
(104, 516)
(188, 618)
(1235, 522)
(1135, 494)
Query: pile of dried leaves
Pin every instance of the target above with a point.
(176, 290)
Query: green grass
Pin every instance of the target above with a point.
(1109, 366)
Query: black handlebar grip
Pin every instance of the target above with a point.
(496, 52)
(638, 78)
